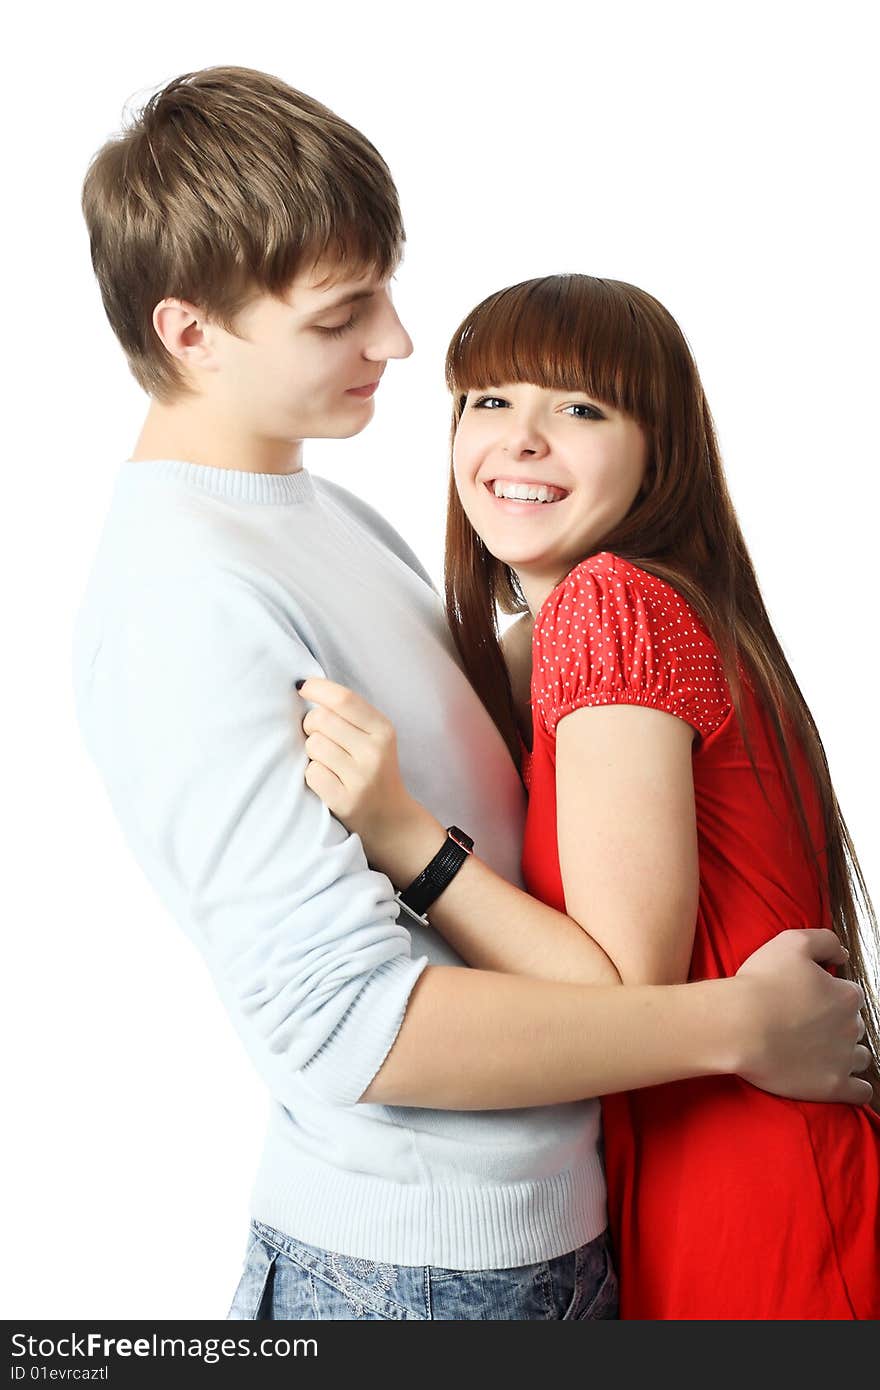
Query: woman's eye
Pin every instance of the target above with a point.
(585, 411)
(341, 328)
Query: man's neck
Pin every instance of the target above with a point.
(191, 431)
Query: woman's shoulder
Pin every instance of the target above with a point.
(619, 591)
(611, 632)
(614, 570)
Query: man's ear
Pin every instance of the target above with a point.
(185, 333)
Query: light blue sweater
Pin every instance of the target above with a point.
(212, 593)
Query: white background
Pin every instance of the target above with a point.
(722, 158)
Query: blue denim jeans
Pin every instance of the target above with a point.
(286, 1280)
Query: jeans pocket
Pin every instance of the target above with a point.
(247, 1302)
(342, 1286)
(347, 1287)
(595, 1285)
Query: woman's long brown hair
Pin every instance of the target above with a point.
(620, 346)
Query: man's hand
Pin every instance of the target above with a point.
(806, 1024)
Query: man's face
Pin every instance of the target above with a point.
(305, 366)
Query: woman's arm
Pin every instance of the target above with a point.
(783, 1023)
(490, 923)
(627, 844)
(627, 835)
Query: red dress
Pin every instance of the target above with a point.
(724, 1202)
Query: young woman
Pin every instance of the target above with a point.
(680, 809)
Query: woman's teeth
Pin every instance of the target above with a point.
(527, 492)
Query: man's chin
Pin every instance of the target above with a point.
(355, 422)
(341, 424)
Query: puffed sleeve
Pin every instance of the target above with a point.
(610, 634)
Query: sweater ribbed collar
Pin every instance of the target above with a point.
(229, 483)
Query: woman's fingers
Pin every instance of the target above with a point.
(333, 726)
(323, 750)
(344, 702)
(324, 784)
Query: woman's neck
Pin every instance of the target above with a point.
(516, 645)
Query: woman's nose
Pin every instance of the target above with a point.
(524, 442)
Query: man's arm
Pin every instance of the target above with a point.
(474, 1040)
(189, 711)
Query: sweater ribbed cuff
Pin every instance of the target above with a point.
(343, 1067)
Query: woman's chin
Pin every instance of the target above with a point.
(521, 557)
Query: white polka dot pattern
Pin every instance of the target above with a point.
(610, 634)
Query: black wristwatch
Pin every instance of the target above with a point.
(424, 890)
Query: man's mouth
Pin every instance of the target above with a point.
(511, 491)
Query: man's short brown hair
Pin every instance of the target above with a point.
(225, 184)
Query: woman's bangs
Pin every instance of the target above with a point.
(564, 333)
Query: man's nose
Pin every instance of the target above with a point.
(392, 340)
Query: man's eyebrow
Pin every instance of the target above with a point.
(350, 298)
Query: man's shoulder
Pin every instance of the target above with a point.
(373, 521)
(178, 578)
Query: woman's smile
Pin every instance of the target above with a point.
(519, 496)
(542, 477)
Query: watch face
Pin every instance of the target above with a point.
(460, 838)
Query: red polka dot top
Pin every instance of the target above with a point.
(612, 634)
(724, 1202)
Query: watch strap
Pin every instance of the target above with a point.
(438, 874)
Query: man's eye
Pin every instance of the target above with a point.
(341, 328)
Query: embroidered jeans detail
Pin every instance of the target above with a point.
(284, 1279)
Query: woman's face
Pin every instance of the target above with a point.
(543, 475)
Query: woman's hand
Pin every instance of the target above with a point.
(353, 768)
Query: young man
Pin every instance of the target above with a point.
(430, 1153)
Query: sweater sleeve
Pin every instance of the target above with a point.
(189, 709)
(611, 634)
